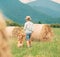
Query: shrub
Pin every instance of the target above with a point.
(55, 25)
(11, 23)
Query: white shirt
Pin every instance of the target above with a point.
(28, 27)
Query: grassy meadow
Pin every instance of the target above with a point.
(38, 49)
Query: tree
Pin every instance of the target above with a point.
(39, 22)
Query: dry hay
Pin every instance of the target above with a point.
(42, 32)
(4, 48)
(12, 31)
(16, 32)
(2, 22)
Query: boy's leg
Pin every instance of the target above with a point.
(28, 40)
(28, 44)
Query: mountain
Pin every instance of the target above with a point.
(47, 6)
(17, 11)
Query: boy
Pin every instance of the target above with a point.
(28, 27)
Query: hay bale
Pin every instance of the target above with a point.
(16, 32)
(42, 32)
(4, 48)
(12, 31)
(2, 22)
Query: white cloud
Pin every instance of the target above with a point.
(57, 1)
(26, 1)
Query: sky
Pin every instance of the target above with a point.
(57, 1)
(26, 1)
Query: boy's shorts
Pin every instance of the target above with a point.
(28, 36)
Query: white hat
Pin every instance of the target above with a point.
(28, 18)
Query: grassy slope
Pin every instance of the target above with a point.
(39, 49)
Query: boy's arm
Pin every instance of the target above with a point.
(25, 26)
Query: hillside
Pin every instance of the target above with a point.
(47, 6)
(16, 11)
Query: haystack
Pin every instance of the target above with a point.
(2, 22)
(4, 48)
(42, 32)
(12, 31)
(16, 32)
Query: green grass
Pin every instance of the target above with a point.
(38, 49)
